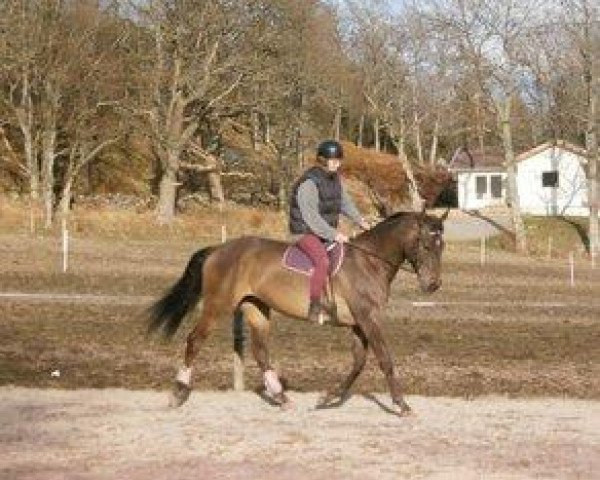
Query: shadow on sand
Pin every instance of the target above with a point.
(501, 228)
(583, 234)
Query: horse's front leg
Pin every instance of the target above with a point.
(257, 317)
(359, 354)
(372, 329)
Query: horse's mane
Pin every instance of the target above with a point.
(386, 223)
(393, 218)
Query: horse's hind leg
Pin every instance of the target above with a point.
(256, 314)
(183, 382)
(359, 354)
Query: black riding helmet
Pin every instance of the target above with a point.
(330, 149)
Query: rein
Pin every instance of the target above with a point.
(371, 253)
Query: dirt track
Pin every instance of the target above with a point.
(109, 434)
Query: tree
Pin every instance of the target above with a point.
(192, 58)
(490, 38)
(581, 21)
(54, 76)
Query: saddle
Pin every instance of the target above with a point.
(296, 260)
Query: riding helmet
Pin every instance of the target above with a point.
(330, 149)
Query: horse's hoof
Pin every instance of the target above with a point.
(287, 405)
(332, 399)
(179, 394)
(326, 400)
(403, 411)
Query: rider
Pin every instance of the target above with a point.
(318, 198)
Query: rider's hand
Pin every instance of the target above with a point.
(364, 224)
(341, 238)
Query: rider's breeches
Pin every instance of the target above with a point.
(316, 250)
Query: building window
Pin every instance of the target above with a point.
(496, 186)
(480, 186)
(550, 179)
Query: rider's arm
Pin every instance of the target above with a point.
(349, 209)
(308, 201)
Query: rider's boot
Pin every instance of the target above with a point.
(329, 307)
(314, 310)
(318, 307)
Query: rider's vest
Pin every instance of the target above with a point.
(329, 188)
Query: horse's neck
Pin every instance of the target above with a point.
(386, 240)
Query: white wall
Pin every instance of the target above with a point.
(568, 198)
(467, 190)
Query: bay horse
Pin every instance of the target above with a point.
(247, 273)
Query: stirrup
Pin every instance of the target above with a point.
(327, 312)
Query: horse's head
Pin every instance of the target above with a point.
(424, 251)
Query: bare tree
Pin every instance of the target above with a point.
(565, 63)
(490, 38)
(52, 57)
(581, 21)
(19, 47)
(198, 57)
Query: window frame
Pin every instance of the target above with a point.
(483, 194)
(499, 186)
(552, 175)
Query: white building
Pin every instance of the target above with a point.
(480, 179)
(551, 180)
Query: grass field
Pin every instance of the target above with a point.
(513, 326)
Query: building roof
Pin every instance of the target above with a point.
(490, 160)
(569, 147)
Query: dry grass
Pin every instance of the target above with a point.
(202, 223)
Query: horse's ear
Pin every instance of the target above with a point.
(445, 215)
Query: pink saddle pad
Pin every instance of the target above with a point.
(296, 260)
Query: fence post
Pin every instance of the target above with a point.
(572, 268)
(65, 245)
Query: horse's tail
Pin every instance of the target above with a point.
(169, 311)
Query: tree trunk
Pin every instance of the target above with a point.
(32, 164)
(50, 104)
(214, 179)
(24, 114)
(434, 143)
(361, 130)
(504, 109)
(418, 144)
(337, 123)
(167, 193)
(376, 134)
(401, 146)
(417, 124)
(267, 131)
(480, 126)
(417, 202)
(299, 150)
(48, 157)
(255, 131)
(591, 143)
(65, 200)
